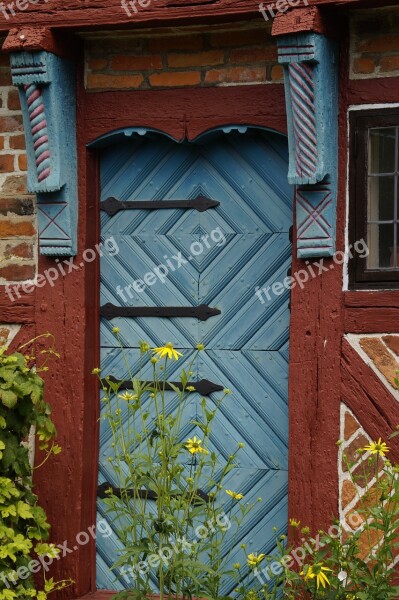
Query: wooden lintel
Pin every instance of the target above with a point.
(97, 14)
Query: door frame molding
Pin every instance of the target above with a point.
(181, 113)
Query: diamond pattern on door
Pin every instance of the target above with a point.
(247, 344)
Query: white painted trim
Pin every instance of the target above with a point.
(372, 106)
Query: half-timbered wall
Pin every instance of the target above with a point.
(338, 338)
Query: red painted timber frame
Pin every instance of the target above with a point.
(97, 14)
(321, 314)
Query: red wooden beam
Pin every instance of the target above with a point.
(372, 299)
(371, 320)
(19, 311)
(96, 14)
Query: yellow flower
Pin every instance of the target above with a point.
(96, 371)
(167, 351)
(190, 388)
(317, 571)
(234, 495)
(200, 347)
(194, 446)
(115, 330)
(254, 559)
(379, 448)
(127, 396)
(294, 523)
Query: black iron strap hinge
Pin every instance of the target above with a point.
(203, 387)
(202, 312)
(201, 203)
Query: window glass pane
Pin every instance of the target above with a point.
(381, 198)
(380, 240)
(382, 150)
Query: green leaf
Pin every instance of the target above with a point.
(8, 398)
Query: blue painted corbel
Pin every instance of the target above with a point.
(310, 63)
(46, 86)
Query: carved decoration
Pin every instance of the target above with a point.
(311, 85)
(46, 84)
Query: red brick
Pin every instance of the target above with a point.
(363, 65)
(6, 163)
(5, 77)
(367, 540)
(236, 74)
(10, 228)
(249, 37)
(114, 82)
(13, 102)
(181, 42)
(22, 250)
(97, 64)
(17, 272)
(392, 341)
(363, 474)
(389, 63)
(381, 357)
(200, 59)
(136, 63)
(348, 493)
(11, 124)
(1, 142)
(350, 426)
(4, 333)
(17, 142)
(19, 205)
(385, 43)
(277, 73)
(175, 79)
(351, 452)
(253, 55)
(22, 162)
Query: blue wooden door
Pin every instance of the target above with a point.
(247, 343)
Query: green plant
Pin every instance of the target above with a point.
(23, 524)
(337, 564)
(175, 537)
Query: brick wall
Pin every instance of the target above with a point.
(375, 44)
(352, 497)
(232, 54)
(17, 223)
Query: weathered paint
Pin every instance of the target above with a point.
(311, 86)
(97, 14)
(46, 86)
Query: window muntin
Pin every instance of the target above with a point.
(382, 198)
(374, 197)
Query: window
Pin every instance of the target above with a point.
(374, 198)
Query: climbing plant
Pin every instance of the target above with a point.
(24, 417)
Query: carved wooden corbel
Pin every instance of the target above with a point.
(46, 82)
(310, 61)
